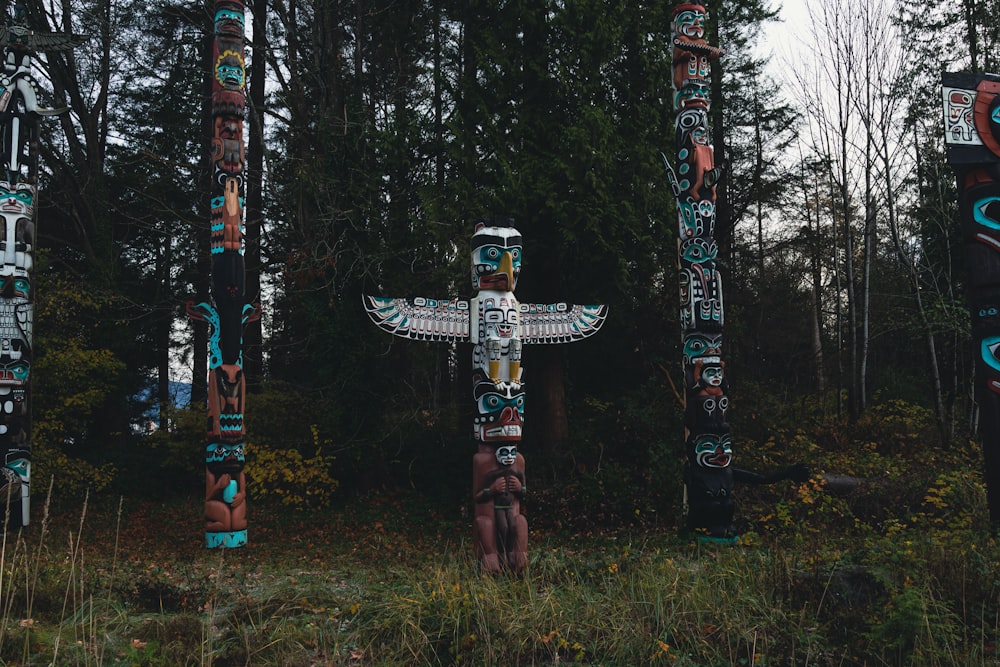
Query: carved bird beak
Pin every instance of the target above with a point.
(507, 268)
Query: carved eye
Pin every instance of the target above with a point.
(688, 120)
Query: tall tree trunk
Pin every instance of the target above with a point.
(164, 323)
(253, 361)
(203, 265)
(971, 33)
(438, 102)
(550, 385)
(816, 293)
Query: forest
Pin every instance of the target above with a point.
(380, 131)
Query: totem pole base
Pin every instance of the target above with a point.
(231, 540)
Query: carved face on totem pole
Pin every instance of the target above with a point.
(17, 200)
(229, 20)
(230, 71)
(689, 21)
(986, 314)
(226, 386)
(225, 457)
(499, 411)
(701, 344)
(707, 376)
(227, 145)
(496, 258)
(710, 450)
(500, 315)
(506, 455)
(691, 58)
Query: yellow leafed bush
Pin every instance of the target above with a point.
(286, 475)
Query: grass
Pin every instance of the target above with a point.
(387, 580)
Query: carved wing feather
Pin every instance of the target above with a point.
(39, 41)
(559, 322)
(421, 319)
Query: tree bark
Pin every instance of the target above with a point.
(253, 359)
(203, 265)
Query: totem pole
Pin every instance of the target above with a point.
(972, 138)
(228, 312)
(19, 114)
(497, 326)
(708, 477)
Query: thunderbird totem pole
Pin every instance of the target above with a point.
(225, 482)
(19, 114)
(708, 478)
(497, 326)
(972, 137)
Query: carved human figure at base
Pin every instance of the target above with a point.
(225, 496)
(500, 531)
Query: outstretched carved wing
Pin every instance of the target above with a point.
(559, 322)
(421, 319)
(17, 35)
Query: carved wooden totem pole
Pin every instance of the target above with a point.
(972, 137)
(228, 311)
(708, 479)
(497, 326)
(19, 114)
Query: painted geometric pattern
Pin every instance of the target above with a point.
(559, 323)
(420, 318)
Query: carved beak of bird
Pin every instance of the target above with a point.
(507, 268)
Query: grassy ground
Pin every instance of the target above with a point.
(388, 580)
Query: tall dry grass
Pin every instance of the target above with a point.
(73, 593)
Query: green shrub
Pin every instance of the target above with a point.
(289, 477)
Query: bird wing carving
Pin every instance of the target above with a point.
(420, 318)
(39, 41)
(559, 322)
